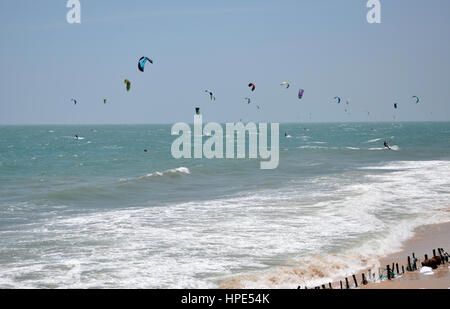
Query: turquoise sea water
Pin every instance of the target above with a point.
(101, 212)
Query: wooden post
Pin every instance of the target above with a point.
(356, 282)
(364, 281)
(396, 266)
(445, 255)
(341, 285)
(323, 286)
(388, 272)
(409, 264)
(331, 287)
(403, 269)
(415, 263)
(346, 284)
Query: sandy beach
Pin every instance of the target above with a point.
(426, 239)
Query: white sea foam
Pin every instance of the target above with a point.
(312, 147)
(309, 235)
(171, 172)
(374, 140)
(179, 170)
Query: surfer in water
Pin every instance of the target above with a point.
(386, 145)
(76, 137)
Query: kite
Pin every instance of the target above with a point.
(213, 98)
(251, 85)
(417, 99)
(338, 99)
(128, 83)
(285, 84)
(300, 93)
(142, 61)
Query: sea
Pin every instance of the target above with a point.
(101, 212)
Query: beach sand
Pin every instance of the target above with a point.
(426, 239)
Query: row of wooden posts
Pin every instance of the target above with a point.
(443, 258)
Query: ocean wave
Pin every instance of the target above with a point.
(314, 270)
(312, 147)
(264, 239)
(375, 140)
(174, 172)
(393, 148)
(410, 195)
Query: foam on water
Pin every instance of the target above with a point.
(171, 172)
(272, 238)
(374, 140)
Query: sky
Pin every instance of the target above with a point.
(326, 47)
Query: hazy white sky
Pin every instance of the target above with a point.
(323, 46)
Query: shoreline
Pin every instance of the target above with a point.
(426, 238)
(423, 240)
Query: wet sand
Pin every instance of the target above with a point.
(426, 239)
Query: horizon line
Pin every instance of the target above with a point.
(221, 122)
